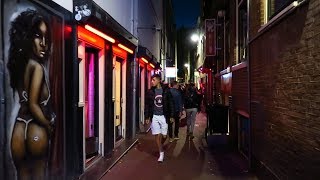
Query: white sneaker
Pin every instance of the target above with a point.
(161, 157)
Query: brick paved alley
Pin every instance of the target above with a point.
(184, 159)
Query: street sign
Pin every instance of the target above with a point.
(171, 71)
(210, 26)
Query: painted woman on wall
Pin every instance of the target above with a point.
(30, 44)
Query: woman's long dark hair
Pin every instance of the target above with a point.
(22, 34)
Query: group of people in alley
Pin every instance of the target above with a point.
(164, 106)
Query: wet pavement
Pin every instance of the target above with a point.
(185, 159)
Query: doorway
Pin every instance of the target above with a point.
(119, 77)
(142, 85)
(91, 57)
(243, 135)
(91, 127)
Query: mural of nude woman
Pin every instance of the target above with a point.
(30, 45)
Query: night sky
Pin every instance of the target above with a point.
(186, 12)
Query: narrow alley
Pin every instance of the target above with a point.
(81, 80)
(184, 159)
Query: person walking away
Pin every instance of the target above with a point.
(177, 99)
(191, 106)
(200, 98)
(159, 108)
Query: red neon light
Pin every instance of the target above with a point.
(125, 48)
(142, 64)
(90, 37)
(119, 52)
(151, 65)
(99, 33)
(68, 28)
(86, 37)
(144, 60)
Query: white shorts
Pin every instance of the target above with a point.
(159, 125)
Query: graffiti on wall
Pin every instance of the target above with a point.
(33, 57)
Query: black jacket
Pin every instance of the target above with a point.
(167, 100)
(191, 99)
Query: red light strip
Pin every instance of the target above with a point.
(87, 37)
(144, 60)
(108, 38)
(119, 52)
(151, 65)
(125, 48)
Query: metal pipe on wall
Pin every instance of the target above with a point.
(131, 130)
(249, 87)
(2, 108)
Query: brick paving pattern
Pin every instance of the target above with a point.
(184, 160)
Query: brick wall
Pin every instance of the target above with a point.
(240, 89)
(217, 81)
(285, 98)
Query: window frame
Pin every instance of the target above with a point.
(242, 44)
(267, 9)
(279, 15)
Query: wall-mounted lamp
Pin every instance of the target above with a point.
(82, 11)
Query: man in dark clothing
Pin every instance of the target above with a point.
(177, 99)
(159, 108)
(191, 106)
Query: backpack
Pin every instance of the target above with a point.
(191, 99)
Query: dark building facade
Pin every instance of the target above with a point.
(284, 85)
(266, 74)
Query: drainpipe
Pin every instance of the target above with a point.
(2, 105)
(2, 116)
(134, 10)
(224, 40)
(249, 86)
(134, 72)
(134, 93)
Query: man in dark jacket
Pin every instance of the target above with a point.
(177, 99)
(159, 108)
(191, 106)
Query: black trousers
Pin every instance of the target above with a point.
(176, 127)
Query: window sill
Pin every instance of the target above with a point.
(281, 15)
(238, 66)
